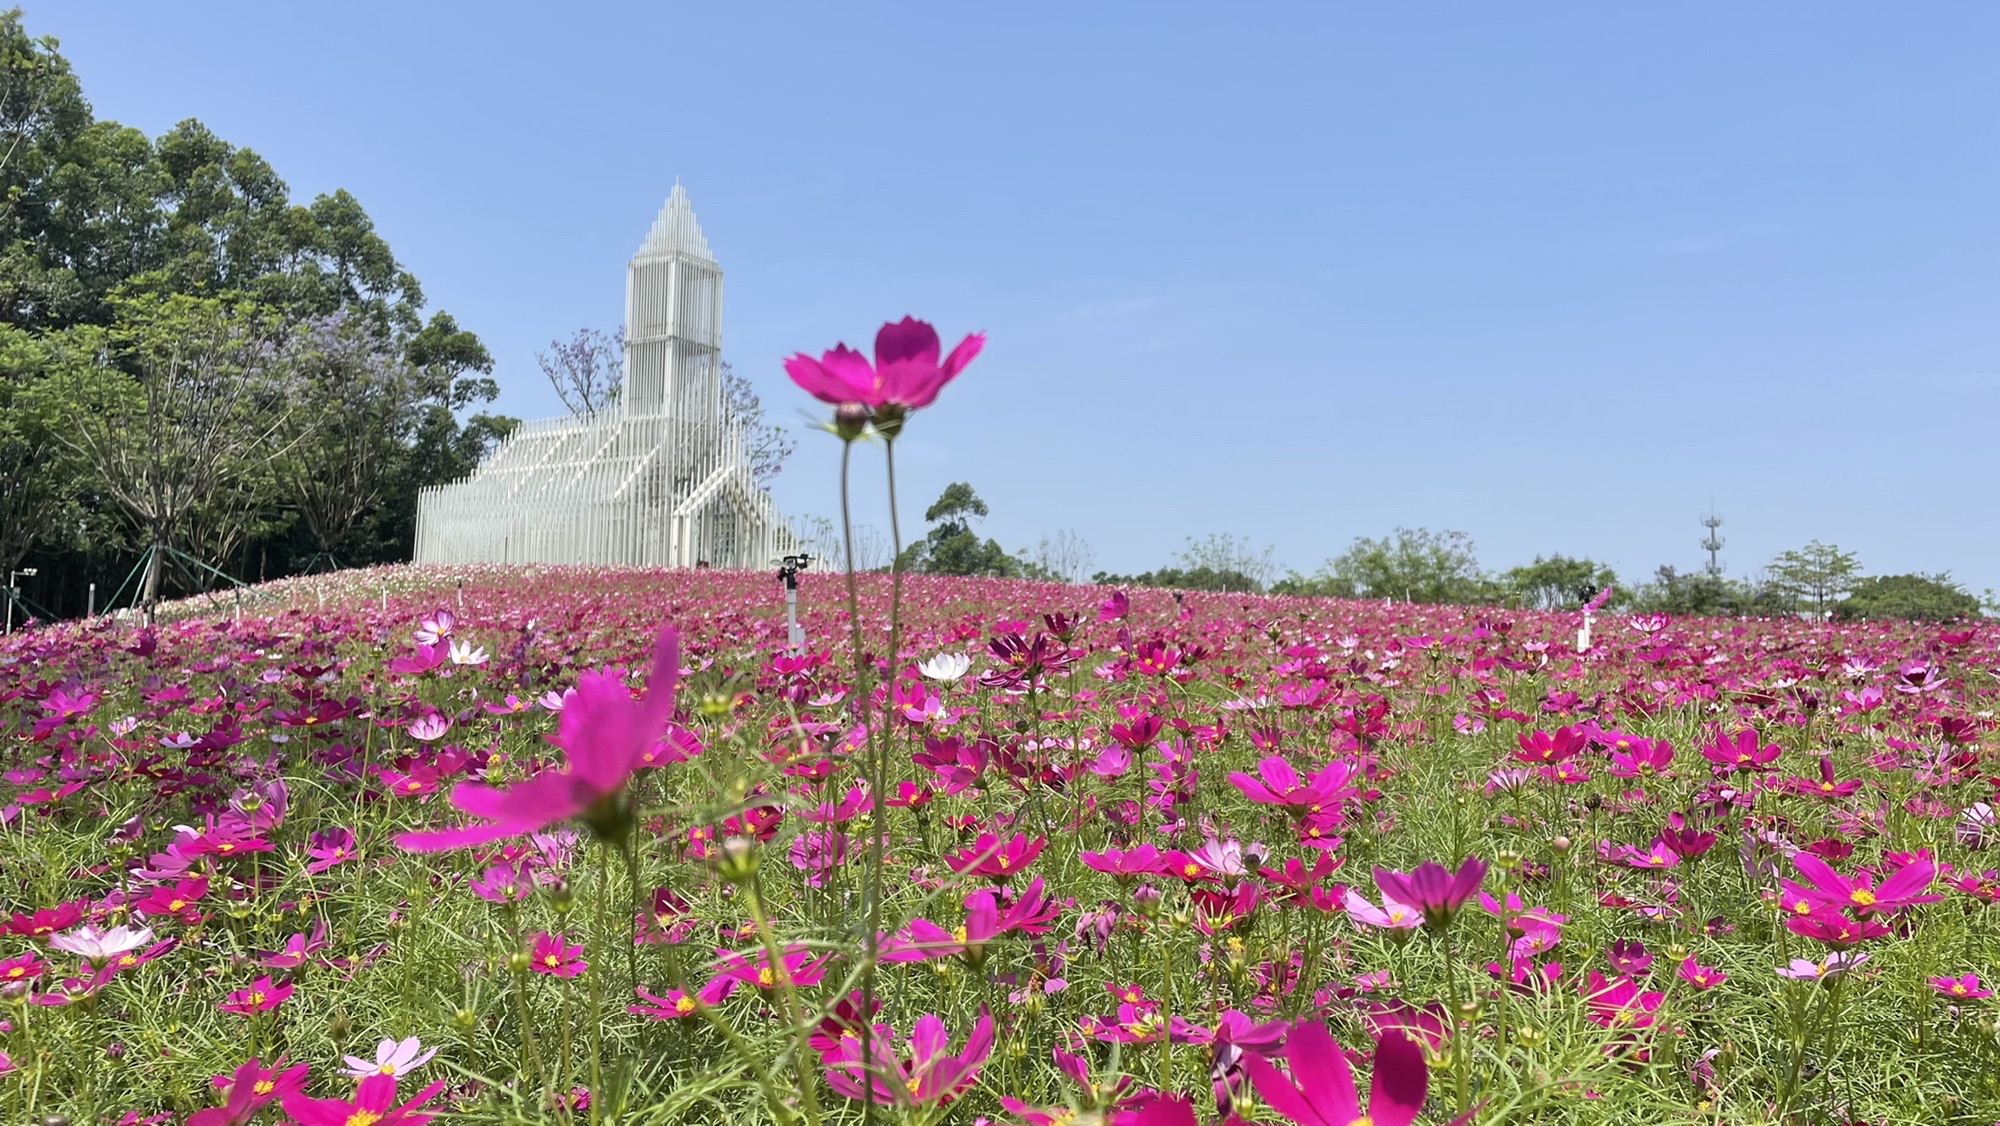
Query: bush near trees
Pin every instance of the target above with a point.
(1216, 562)
(313, 396)
(1917, 598)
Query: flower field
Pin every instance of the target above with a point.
(571, 845)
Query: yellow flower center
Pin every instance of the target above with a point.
(1958, 987)
(911, 1085)
(958, 933)
(1192, 870)
(16, 971)
(765, 978)
(257, 997)
(387, 1069)
(1003, 863)
(1863, 897)
(551, 961)
(264, 1086)
(684, 1005)
(227, 846)
(363, 1118)
(176, 904)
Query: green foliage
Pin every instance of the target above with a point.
(98, 224)
(953, 548)
(1558, 582)
(1184, 578)
(1413, 565)
(1917, 598)
(1812, 578)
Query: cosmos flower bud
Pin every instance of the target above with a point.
(850, 421)
(1560, 845)
(519, 961)
(1146, 901)
(465, 1020)
(340, 1028)
(561, 896)
(737, 859)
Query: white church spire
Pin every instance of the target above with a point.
(676, 231)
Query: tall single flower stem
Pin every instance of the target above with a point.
(789, 999)
(871, 939)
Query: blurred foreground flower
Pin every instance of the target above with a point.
(605, 733)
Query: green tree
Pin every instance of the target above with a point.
(1557, 582)
(181, 400)
(1414, 564)
(1919, 598)
(952, 547)
(1814, 577)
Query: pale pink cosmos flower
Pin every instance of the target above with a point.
(429, 727)
(392, 1057)
(100, 946)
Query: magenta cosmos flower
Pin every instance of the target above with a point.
(928, 1073)
(1321, 1092)
(605, 733)
(374, 1103)
(906, 375)
(262, 996)
(1433, 889)
(556, 956)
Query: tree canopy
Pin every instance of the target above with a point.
(192, 358)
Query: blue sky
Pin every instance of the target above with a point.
(1555, 275)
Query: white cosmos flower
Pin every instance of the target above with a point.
(97, 946)
(946, 666)
(392, 1057)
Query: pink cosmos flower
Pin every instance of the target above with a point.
(1825, 972)
(329, 849)
(796, 965)
(1700, 976)
(248, 1090)
(605, 733)
(556, 956)
(1277, 783)
(392, 1057)
(1965, 987)
(1321, 1092)
(1827, 888)
(100, 946)
(262, 996)
(927, 1074)
(373, 1104)
(676, 1005)
(1390, 916)
(1619, 1003)
(297, 951)
(995, 859)
(1741, 752)
(906, 375)
(1433, 889)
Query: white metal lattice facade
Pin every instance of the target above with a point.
(660, 479)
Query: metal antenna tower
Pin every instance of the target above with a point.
(1712, 543)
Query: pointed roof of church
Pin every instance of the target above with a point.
(676, 231)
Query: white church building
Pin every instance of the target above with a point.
(660, 479)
